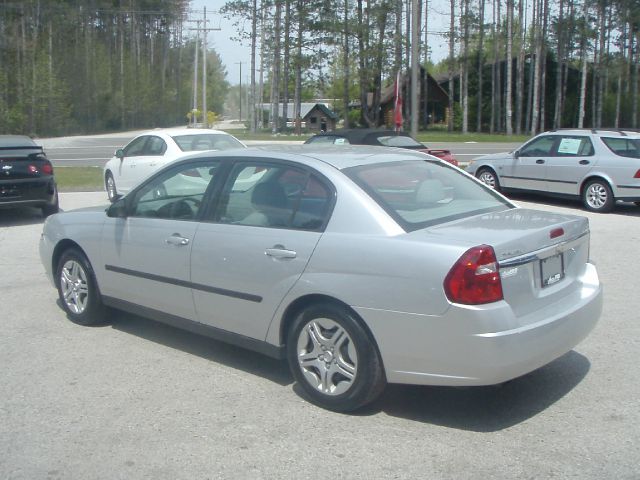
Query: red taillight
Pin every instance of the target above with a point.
(556, 232)
(475, 278)
(637, 175)
(47, 169)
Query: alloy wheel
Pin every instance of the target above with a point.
(488, 178)
(74, 286)
(597, 196)
(111, 187)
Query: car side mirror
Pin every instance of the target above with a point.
(516, 154)
(118, 209)
(120, 153)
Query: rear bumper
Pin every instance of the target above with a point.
(27, 192)
(482, 345)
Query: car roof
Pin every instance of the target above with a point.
(360, 134)
(172, 132)
(601, 132)
(16, 141)
(340, 157)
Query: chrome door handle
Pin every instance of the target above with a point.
(279, 251)
(177, 240)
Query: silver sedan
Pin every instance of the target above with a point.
(361, 266)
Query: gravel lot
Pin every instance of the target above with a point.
(135, 399)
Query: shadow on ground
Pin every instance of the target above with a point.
(621, 208)
(19, 216)
(486, 409)
(235, 357)
(480, 409)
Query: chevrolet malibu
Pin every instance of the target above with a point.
(360, 265)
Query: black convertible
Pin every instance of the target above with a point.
(384, 138)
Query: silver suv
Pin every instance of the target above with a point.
(598, 166)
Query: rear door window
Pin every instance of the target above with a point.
(275, 196)
(155, 146)
(574, 146)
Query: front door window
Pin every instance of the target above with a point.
(177, 194)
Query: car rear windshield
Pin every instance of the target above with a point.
(209, 141)
(625, 147)
(399, 141)
(418, 194)
(16, 141)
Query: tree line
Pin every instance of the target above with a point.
(70, 66)
(513, 66)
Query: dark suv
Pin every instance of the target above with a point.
(26, 175)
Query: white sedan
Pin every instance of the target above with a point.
(151, 150)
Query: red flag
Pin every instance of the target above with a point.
(397, 107)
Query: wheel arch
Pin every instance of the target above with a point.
(301, 303)
(598, 176)
(485, 166)
(59, 250)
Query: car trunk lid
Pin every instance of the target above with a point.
(18, 163)
(540, 254)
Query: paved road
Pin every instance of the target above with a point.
(139, 400)
(95, 150)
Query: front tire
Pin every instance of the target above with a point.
(78, 289)
(489, 178)
(110, 186)
(333, 359)
(597, 196)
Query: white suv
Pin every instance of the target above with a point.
(598, 166)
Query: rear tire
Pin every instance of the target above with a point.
(489, 178)
(78, 289)
(597, 196)
(333, 359)
(51, 209)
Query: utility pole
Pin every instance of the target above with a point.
(240, 94)
(415, 66)
(204, 30)
(195, 77)
(205, 117)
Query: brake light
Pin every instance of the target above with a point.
(47, 169)
(637, 175)
(556, 232)
(475, 278)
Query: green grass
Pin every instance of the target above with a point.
(79, 179)
(426, 137)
